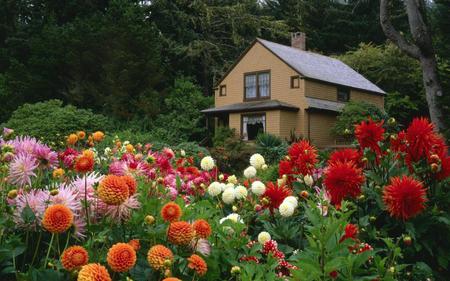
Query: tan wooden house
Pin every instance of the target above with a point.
(285, 90)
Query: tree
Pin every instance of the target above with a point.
(419, 47)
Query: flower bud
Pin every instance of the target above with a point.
(258, 208)
(12, 194)
(407, 240)
(304, 194)
(54, 192)
(235, 270)
(391, 121)
(221, 177)
(149, 220)
(234, 208)
(167, 263)
(265, 201)
(434, 168)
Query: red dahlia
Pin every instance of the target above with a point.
(342, 180)
(369, 133)
(275, 194)
(405, 197)
(420, 137)
(345, 155)
(303, 158)
(351, 231)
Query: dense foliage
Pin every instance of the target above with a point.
(353, 113)
(51, 122)
(379, 211)
(121, 58)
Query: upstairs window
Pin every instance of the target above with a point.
(343, 94)
(257, 86)
(295, 82)
(222, 90)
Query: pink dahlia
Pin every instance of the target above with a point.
(22, 169)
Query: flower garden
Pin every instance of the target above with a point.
(377, 211)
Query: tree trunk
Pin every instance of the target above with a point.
(419, 48)
(433, 89)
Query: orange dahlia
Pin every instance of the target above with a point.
(131, 183)
(72, 139)
(180, 233)
(74, 257)
(135, 243)
(171, 279)
(157, 255)
(98, 136)
(121, 257)
(84, 163)
(81, 135)
(171, 212)
(93, 272)
(57, 218)
(405, 197)
(202, 228)
(197, 264)
(113, 190)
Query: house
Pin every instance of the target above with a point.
(285, 90)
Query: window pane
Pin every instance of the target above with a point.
(264, 84)
(250, 86)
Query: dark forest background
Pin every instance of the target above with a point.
(129, 59)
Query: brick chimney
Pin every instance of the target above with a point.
(298, 40)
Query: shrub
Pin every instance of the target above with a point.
(222, 134)
(51, 121)
(181, 119)
(271, 147)
(353, 113)
(232, 157)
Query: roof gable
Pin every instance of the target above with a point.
(313, 66)
(320, 67)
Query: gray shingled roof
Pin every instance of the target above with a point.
(324, 104)
(319, 67)
(251, 107)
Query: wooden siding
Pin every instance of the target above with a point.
(320, 131)
(281, 123)
(320, 91)
(361, 96)
(288, 124)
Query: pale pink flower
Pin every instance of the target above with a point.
(67, 196)
(36, 201)
(201, 246)
(123, 211)
(79, 224)
(90, 179)
(22, 169)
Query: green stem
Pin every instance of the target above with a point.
(57, 242)
(37, 248)
(48, 251)
(86, 207)
(67, 242)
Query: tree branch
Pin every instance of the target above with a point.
(395, 36)
(418, 27)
